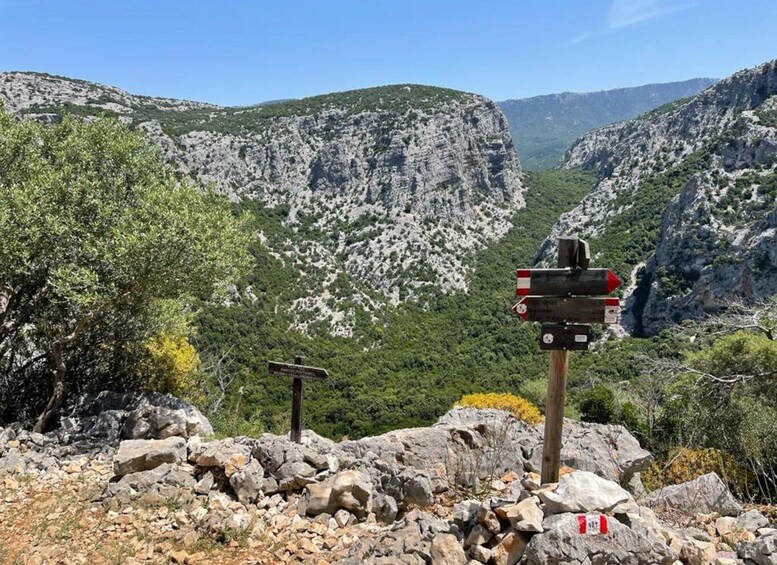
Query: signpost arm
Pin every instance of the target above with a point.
(296, 405)
(557, 382)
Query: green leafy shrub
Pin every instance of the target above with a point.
(598, 405)
(684, 464)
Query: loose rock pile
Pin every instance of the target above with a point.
(396, 498)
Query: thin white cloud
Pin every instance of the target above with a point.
(580, 38)
(623, 13)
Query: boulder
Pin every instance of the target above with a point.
(317, 499)
(479, 535)
(349, 490)
(166, 474)
(446, 550)
(293, 475)
(480, 554)
(697, 552)
(510, 549)
(144, 454)
(407, 486)
(762, 551)
(609, 451)
(705, 494)
(582, 491)
(247, 482)
(218, 453)
(525, 516)
(464, 447)
(464, 513)
(752, 521)
(486, 517)
(352, 490)
(385, 508)
(206, 483)
(725, 525)
(136, 416)
(561, 542)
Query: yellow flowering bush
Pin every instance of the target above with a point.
(171, 364)
(519, 407)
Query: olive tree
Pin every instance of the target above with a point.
(95, 229)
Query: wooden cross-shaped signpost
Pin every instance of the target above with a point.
(564, 296)
(299, 372)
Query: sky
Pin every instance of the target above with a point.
(244, 52)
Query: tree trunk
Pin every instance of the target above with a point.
(58, 394)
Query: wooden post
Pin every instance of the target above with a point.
(296, 405)
(557, 383)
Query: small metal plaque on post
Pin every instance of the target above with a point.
(565, 337)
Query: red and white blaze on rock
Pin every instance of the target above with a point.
(592, 524)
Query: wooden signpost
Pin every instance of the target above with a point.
(299, 372)
(564, 296)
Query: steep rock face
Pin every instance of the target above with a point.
(689, 191)
(395, 186)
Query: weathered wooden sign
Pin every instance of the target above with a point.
(297, 371)
(561, 282)
(570, 309)
(567, 337)
(564, 297)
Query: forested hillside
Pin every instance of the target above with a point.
(388, 192)
(407, 368)
(688, 192)
(384, 228)
(544, 127)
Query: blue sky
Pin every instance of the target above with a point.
(242, 52)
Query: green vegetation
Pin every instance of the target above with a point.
(411, 366)
(631, 235)
(543, 127)
(102, 248)
(400, 100)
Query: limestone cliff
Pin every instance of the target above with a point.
(395, 187)
(690, 190)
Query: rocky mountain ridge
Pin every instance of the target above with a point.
(689, 189)
(543, 127)
(384, 193)
(135, 472)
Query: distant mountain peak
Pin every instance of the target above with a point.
(544, 126)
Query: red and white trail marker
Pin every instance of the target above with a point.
(588, 524)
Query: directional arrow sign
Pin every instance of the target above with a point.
(555, 282)
(298, 371)
(572, 309)
(564, 337)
